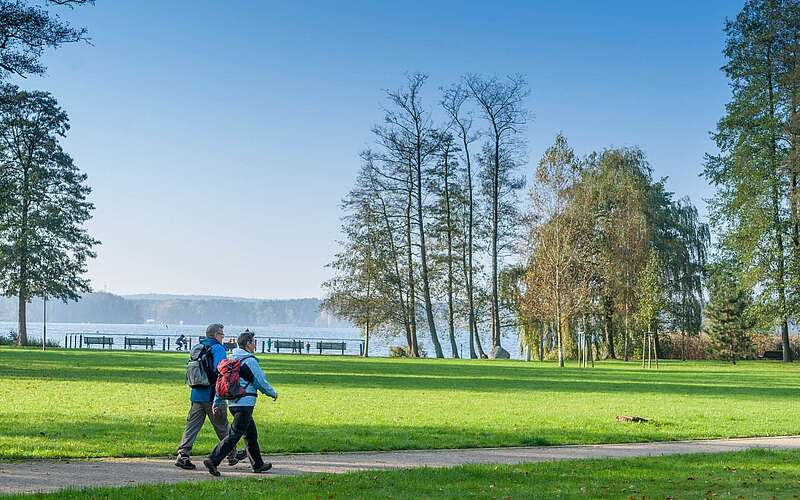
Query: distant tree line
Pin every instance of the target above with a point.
(100, 307)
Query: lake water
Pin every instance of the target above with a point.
(379, 345)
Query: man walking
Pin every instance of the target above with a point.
(201, 399)
(251, 381)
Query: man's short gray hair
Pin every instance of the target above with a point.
(213, 330)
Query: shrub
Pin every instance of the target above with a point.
(34, 342)
(397, 351)
(10, 339)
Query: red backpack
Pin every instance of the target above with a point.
(230, 372)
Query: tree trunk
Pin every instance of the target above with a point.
(400, 293)
(559, 338)
(470, 224)
(478, 344)
(657, 344)
(625, 347)
(559, 344)
(777, 223)
(471, 312)
(412, 299)
(645, 346)
(22, 321)
(448, 220)
(366, 340)
(426, 290)
(541, 344)
(495, 237)
(22, 295)
(608, 327)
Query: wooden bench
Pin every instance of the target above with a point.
(147, 342)
(331, 346)
(294, 345)
(103, 341)
(772, 355)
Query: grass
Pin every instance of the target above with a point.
(752, 474)
(90, 404)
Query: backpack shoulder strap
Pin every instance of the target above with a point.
(197, 352)
(245, 371)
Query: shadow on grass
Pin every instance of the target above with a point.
(125, 437)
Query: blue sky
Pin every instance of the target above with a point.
(219, 137)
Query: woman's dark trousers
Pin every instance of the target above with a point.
(243, 425)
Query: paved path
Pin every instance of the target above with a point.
(48, 475)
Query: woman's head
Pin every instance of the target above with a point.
(247, 340)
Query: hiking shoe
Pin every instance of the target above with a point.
(212, 469)
(238, 457)
(184, 463)
(264, 468)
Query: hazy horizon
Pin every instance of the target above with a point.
(219, 140)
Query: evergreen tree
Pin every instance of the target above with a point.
(729, 323)
(43, 243)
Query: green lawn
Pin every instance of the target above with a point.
(752, 474)
(87, 404)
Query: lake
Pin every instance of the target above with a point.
(379, 345)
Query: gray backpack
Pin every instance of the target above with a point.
(200, 367)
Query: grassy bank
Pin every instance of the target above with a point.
(85, 404)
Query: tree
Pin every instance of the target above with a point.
(618, 181)
(687, 260)
(27, 30)
(651, 303)
(410, 132)
(358, 291)
(557, 279)
(453, 104)
(749, 209)
(729, 323)
(444, 187)
(502, 105)
(43, 243)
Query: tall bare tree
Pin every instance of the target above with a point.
(453, 103)
(444, 185)
(502, 105)
(413, 132)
